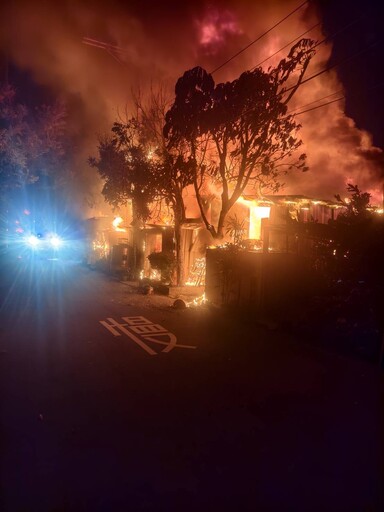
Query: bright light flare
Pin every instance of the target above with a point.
(56, 242)
(33, 241)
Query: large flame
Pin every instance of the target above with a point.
(158, 45)
(116, 224)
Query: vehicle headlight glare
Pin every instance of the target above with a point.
(56, 242)
(32, 241)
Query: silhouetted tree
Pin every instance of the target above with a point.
(357, 207)
(359, 234)
(239, 133)
(33, 143)
(136, 165)
(127, 171)
(174, 165)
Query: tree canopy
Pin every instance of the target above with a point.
(357, 208)
(33, 143)
(239, 133)
(135, 164)
(127, 170)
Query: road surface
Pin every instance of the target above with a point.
(115, 402)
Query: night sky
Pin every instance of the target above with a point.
(43, 43)
(362, 75)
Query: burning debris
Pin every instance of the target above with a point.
(184, 304)
(199, 301)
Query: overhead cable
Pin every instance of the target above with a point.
(285, 46)
(332, 36)
(328, 68)
(258, 38)
(332, 101)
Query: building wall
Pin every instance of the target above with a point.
(255, 281)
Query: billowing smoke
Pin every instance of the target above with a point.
(156, 42)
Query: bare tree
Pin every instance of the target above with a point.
(174, 165)
(136, 164)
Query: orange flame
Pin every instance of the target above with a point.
(116, 224)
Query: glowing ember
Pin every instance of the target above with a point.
(155, 274)
(198, 301)
(100, 249)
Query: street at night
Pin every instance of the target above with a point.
(247, 419)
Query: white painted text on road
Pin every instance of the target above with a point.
(141, 331)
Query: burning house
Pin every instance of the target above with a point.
(268, 219)
(118, 245)
(278, 251)
(274, 238)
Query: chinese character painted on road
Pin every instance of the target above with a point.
(141, 330)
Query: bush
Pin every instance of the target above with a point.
(164, 261)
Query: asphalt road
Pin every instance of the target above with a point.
(102, 411)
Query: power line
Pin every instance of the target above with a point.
(315, 76)
(319, 106)
(328, 68)
(115, 51)
(258, 38)
(332, 36)
(285, 46)
(345, 27)
(332, 101)
(316, 101)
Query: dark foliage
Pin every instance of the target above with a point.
(238, 133)
(33, 143)
(164, 261)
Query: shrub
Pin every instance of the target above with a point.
(164, 261)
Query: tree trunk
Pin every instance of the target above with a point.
(220, 225)
(209, 226)
(179, 216)
(179, 262)
(137, 260)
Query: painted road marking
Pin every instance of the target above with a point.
(140, 330)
